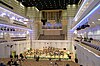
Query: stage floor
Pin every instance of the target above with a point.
(47, 56)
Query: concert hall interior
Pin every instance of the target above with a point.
(49, 32)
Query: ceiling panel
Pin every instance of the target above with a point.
(48, 4)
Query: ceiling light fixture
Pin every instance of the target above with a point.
(74, 5)
(69, 5)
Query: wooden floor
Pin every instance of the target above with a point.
(48, 63)
(31, 62)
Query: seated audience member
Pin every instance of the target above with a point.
(17, 56)
(21, 56)
(91, 38)
(11, 56)
(10, 62)
(15, 63)
(37, 58)
(2, 64)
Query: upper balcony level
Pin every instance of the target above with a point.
(88, 53)
(91, 44)
(11, 18)
(88, 10)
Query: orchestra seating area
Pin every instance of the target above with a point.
(52, 37)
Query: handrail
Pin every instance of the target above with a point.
(91, 45)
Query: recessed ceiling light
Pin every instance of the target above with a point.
(74, 5)
(69, 5)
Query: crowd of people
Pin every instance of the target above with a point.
(14, 60)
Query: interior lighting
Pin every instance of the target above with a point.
(3, 14)
(99, 19)
(76, 19)
(81, 22)
(74, 5)
(10, 12)
(50, 62)
(13, 18)
(16, 27)
(37, 9)
(69, 5)
(20, 20)
(75, 31)
(93, 22)
(21, 5)
(80, 9)
(25, 22)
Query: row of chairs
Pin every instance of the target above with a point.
(97, 47)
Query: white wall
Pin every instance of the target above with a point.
(87, 57)
(22, 46)
(39, 44)
(34, 14)
(69, 34)
(18, 46)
